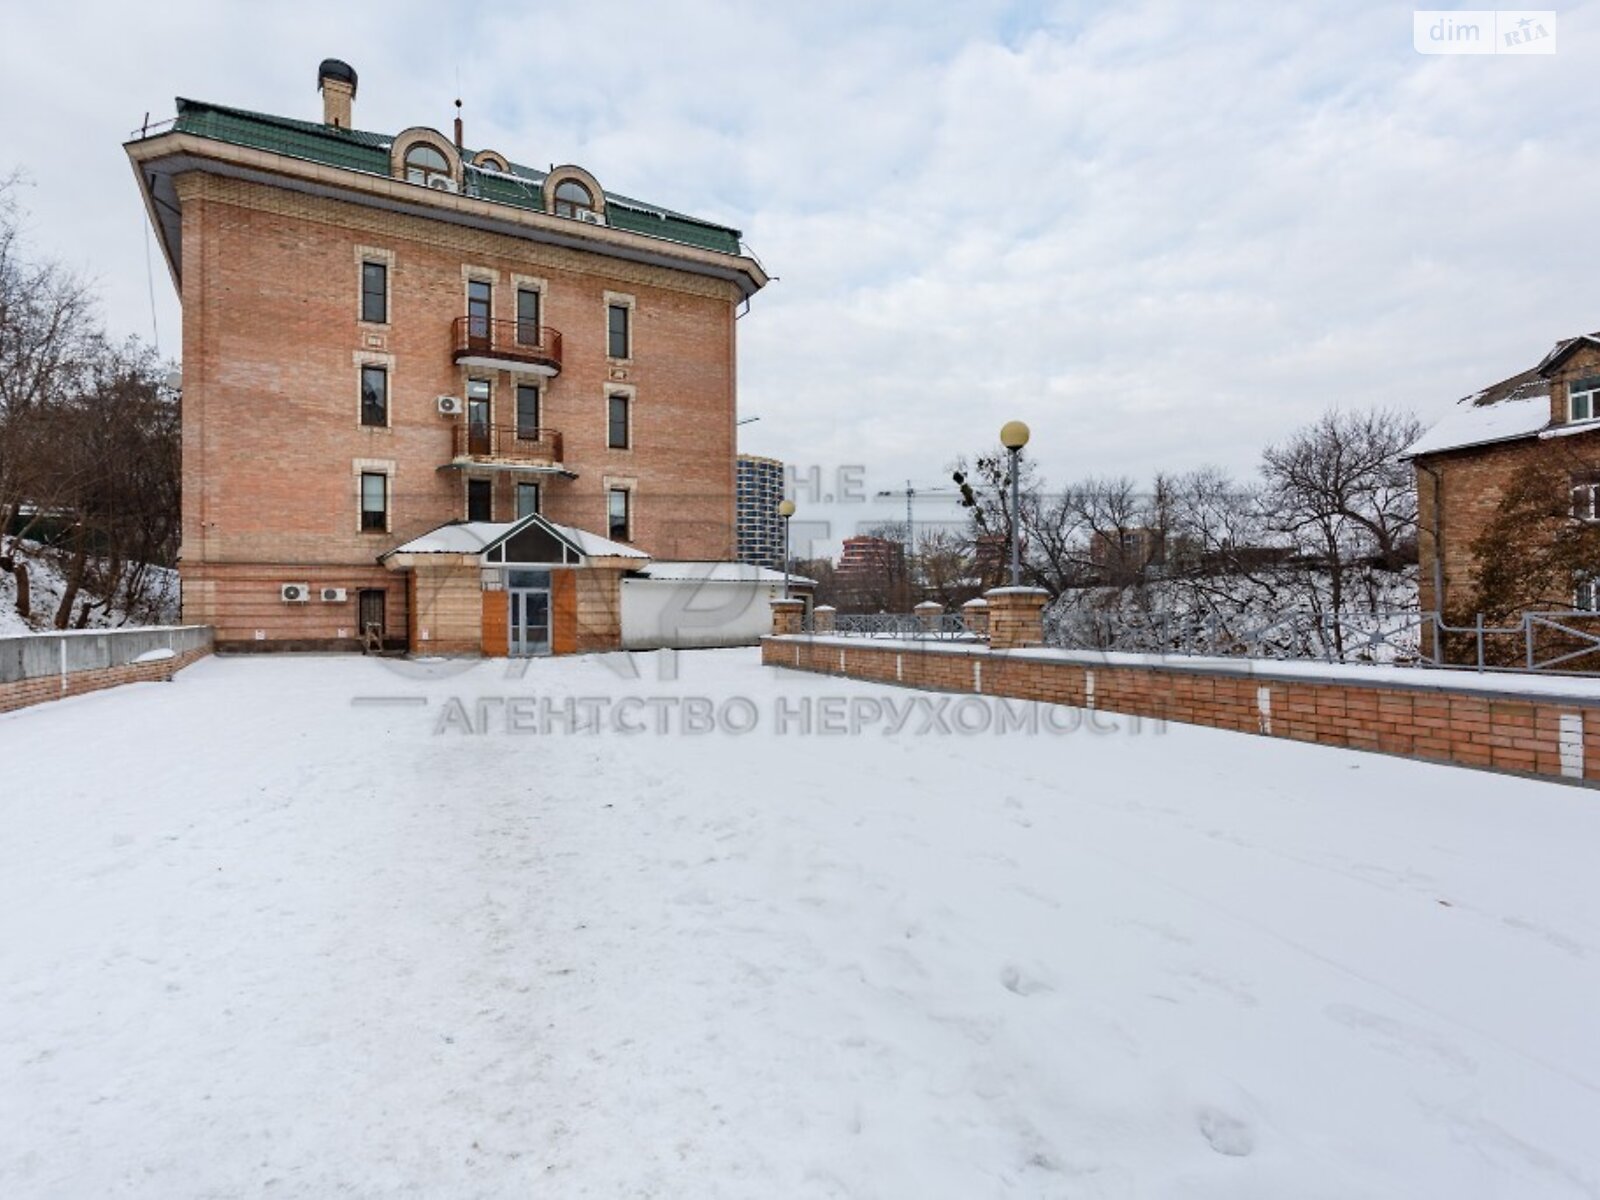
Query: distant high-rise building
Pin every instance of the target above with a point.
(760, 529)
(871, 576)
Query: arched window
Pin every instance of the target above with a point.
(424, 164)
(572, 196)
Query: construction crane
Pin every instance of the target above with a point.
(911, 491)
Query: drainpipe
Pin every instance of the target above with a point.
(1438, 539)
(1438, 562)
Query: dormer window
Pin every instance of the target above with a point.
(1583, 399)
(425, 165)
(571, 198)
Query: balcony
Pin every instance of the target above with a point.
(506, 345)
(506, 447)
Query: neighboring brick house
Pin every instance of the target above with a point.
(386, 334)
(1123, 554)
(760, 491)
(1549, 414)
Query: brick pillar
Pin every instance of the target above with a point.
(975, 613)
(1016, 617)
(787, 616)
(928, 614)
(822, 618)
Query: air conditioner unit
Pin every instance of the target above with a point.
(589, 215)
(295, 593)
(442, 183)
(333, 595)
(450, 406)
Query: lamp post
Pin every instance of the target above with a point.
(786, 510)
(1014, 436)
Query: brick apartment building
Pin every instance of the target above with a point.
(1548, 415)
(403, 359)
(760, 528)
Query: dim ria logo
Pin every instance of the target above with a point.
(1483, 31)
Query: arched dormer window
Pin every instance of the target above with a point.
(573, 193)
(424, 164)
(492, 160)
(572, 196)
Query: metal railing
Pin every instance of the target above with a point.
(948, 626)
(1551, 642)
(1351, 636)
(506, 340)
(1540, 641)
(471, 440)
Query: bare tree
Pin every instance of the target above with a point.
(89, 439)
(1338, 491)
(47, 338)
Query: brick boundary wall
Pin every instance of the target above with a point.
(1546, 736)
(35, 669)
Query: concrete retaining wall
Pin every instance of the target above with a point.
(1539, 726)
(47, 666)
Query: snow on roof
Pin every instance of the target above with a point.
(474, 537)
(1472, 424)
(458, 537)
(595, 546)
(719, 572)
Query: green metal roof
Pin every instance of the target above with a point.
(356, 150)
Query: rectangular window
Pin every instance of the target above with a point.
(618, 342)
(374, 292)
(527, 499)
(1584, 496)
(617, 421)
(374, 502)
(480, 307)
(1587, 598)
(617, 514)
(480, 500)
(527, 317)
(1583, 399)
(374, 395)
(528, 411)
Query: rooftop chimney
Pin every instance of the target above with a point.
(336, 81)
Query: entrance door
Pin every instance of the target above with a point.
(479, 439)
(370, 612)
(480, 307)
(528, 601)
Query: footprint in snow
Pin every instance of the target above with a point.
(1226, 1133)
(1015, 980)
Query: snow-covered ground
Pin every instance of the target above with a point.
(268, 938)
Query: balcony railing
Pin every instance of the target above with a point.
(506, 444)
(514, 343)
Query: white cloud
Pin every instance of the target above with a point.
(1162, 234)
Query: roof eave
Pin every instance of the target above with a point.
(189, 151)
(1412, 456)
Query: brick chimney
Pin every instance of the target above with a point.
(336, 81)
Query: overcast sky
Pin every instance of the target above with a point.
(1163, 235)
